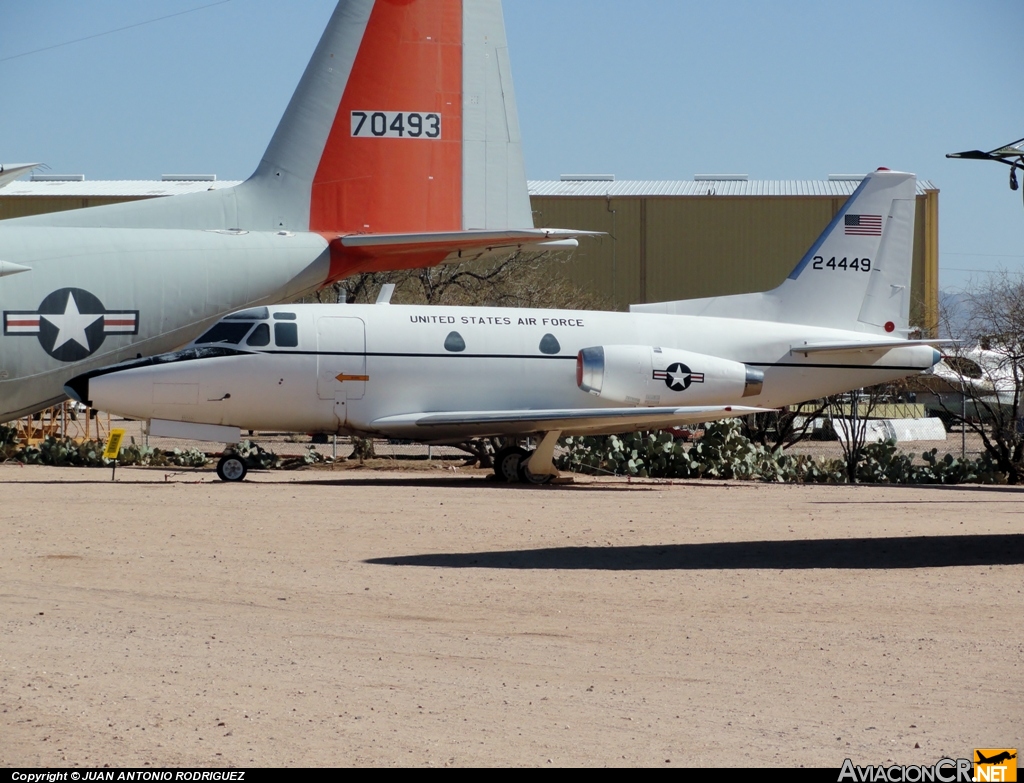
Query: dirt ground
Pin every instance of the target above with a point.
(436, 618)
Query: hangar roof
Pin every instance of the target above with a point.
(137, 188)
(840, 187)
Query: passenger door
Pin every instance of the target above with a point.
(340, 361)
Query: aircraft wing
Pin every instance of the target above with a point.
(569, 420)
(879, 346)
(1001, 154)
(356, 253)
(11, 171)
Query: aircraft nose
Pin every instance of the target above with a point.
(936, 357)
(78, 389)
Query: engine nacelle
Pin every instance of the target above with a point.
(654, 377)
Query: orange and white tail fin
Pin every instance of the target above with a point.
(404, 122)
(424, 135)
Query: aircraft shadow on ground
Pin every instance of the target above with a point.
(472, 481)
(841, 553)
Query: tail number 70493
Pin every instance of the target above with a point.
(396, 125)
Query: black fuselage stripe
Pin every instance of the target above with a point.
(400, 355)
(417, 355)
(838, 366)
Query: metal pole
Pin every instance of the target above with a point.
(854, 434)
(963, 421)
(335, 452)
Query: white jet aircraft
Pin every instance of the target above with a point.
(400, 148)
(444, 374)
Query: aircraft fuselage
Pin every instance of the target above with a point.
(344, 368)
(94, 296)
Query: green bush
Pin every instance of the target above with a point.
(89, 454)
(725, 453)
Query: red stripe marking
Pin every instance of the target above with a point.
(119, 322)
(22, 322)
(381, 185)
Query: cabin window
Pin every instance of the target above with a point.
(284, 316)
(549, 345)
(454, 343)
(231, 332)
(286, 335)
(260, 336)
(252, 314)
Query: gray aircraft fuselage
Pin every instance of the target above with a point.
(93, 296)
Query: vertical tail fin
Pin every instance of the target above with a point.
(856, 276)
(404, 121)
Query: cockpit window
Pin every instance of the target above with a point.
(252, 314)
(260, 336)
(230, 332)
(961, 365)
(284, 316)
(286, 335)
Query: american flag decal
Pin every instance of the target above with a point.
(863, 225)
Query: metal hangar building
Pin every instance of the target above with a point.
(666, 240)
(713, 235)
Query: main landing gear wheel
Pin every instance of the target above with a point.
(526, 477)
(231, 468)
(507, 461)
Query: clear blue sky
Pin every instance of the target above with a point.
(647, 89)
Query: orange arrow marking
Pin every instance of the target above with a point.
(342, 378)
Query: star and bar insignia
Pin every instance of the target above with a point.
(678, 377)
(70, 324)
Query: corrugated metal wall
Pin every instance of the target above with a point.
(19, 206)
(667, 248)
(661, 248)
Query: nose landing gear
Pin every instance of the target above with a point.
(231, 468)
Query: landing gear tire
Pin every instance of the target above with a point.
(526, 477)
(507, 461)
(231, 468)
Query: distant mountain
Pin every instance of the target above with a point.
(953, 313)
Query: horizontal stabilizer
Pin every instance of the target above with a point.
(1004, 154)
(11, 171)
(568, 420)
(880, 346)
(7, 268)
(970, 155)
(357, 253)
